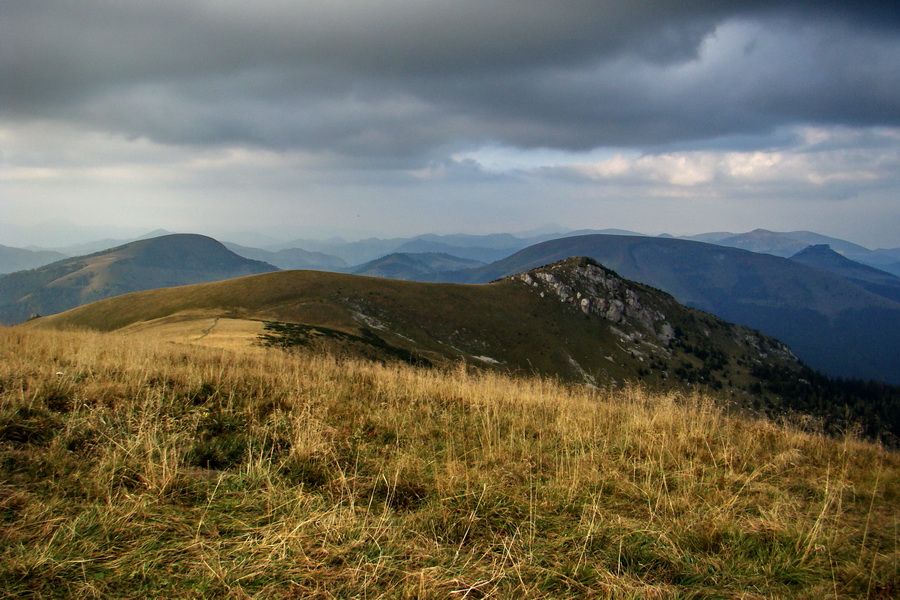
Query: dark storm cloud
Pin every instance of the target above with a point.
(406, 81)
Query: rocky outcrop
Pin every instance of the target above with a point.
(641, 317)
(595, 290)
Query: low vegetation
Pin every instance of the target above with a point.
(134, 469)
(293, 335)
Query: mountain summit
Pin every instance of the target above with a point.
(171, 260)
(822, 257)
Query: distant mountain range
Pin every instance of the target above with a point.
(787, 244)
(171, 260)
(832, 323)
(838, 315)
(875, 280)
(414, 267)
(342, 256)
(291, 258)
(483, 248)
(20, 259)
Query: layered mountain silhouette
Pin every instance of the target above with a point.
(483, 248)
(20, 259)
(838, 316)
(414, 266)
(787, 244)
(172, 260)
(833, 324)
(291, 258)
(822, 257)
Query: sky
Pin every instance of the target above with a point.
(399, 117)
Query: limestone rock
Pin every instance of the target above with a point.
(595, 290)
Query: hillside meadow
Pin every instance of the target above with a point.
(131, 468)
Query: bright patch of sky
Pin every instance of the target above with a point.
(504, 159)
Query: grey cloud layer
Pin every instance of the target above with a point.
(400, 82)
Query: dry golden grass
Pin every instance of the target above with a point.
(198, 328)
(135, 468)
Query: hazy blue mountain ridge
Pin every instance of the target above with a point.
(20, 259)
(874, 280)
(787, 244)
(484, 248)
(413, 266)
(291, 258)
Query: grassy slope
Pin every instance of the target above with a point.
(131, 469)
(430, 314)
(504, 321)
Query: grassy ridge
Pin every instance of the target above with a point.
(131, 469)
(506, 325)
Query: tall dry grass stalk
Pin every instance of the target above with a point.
(134, 469)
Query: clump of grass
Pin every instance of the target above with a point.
(148, 470)
(28, 426)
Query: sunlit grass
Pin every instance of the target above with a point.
(138, 469)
